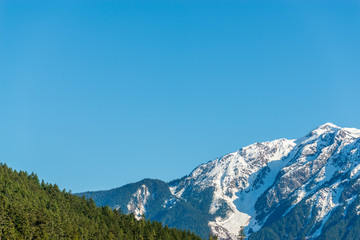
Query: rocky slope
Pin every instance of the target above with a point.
(306, 182)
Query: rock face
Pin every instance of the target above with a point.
(283, 189)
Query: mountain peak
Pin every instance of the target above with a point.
(327, 125)
(330, 127)
(320, 130)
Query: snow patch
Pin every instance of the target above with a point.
(357, 210)
(355, 171)
(138, 202)
(232, 223)
(169, 203)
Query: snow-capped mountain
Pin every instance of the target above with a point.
(238, 179)
(283, 189)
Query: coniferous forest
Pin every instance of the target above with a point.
(33, 210)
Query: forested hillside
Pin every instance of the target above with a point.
(33, 210)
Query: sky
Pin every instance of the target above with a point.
(98, 94)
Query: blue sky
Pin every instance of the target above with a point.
(97, 94)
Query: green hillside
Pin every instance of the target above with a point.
(33, 210)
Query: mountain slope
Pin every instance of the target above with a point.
(312, 182)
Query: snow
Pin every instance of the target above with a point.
(246, 200)
(319, 230)
(326, 200)
(138, 202)
(353, 131)
(301, 194)
(174, 192)
(326, 127)
(355, 171)
(231, 223)
(169, 203)
(328, 124)
(357, 210)
(314, 134)
(348, 202)
(244, 166)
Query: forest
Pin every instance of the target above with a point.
(30, 209)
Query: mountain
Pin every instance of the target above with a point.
(284, 189)
(154, 199)
(33, 210)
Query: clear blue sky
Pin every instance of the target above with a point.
(97, 94)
